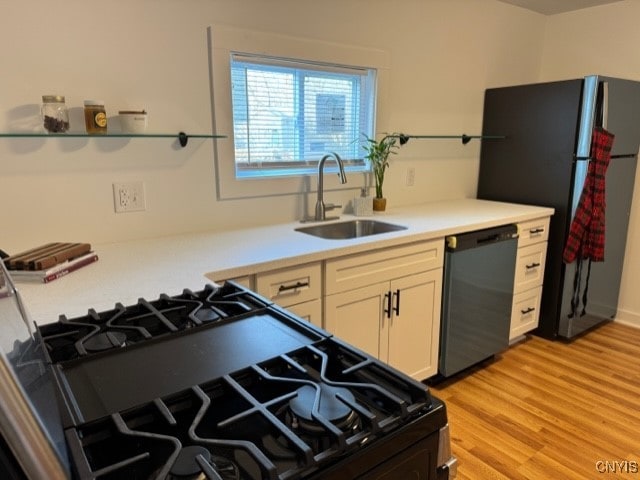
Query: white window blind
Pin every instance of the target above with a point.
(287, 114)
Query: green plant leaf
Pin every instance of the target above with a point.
(378, 155)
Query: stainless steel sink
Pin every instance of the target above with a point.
(350, 229)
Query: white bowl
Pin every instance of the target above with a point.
(132, 121)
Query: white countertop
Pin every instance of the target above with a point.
(130, 270)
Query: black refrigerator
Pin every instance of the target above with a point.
(544, 159)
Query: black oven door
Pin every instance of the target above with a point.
(415, 463)
(409, 453)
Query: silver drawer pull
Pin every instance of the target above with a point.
(295, 286)
(528, 310)
(532, 265)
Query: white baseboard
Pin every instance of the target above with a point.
(628, 318)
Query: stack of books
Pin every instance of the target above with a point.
(49, 262)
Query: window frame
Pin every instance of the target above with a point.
(223, 41)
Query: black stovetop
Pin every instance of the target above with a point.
(219, 384)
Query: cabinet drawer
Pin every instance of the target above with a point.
(530, 267)
(290, 286)
(525, 312)
(533, 231)
(363, 269)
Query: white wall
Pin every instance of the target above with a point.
(602, 40)
(153, 54)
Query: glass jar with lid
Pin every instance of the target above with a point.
(55, 115)
(95, 117)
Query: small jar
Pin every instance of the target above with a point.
(55, 115)
(95, 117)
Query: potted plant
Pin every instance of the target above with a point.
(378, 155)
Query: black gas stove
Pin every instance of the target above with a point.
(222, 384)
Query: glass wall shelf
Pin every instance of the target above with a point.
(404, 137)
(182, 137)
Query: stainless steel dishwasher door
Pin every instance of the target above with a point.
(477, 297)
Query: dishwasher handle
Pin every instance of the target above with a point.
(480, 238)
(489, 239)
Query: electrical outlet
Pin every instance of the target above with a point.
(410, 177)
(129, 197)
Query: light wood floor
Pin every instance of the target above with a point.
(550, 410)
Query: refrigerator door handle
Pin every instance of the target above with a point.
(585, 128)
(605, 104)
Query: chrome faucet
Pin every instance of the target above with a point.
(321, 208)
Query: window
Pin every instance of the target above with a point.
(288, 114)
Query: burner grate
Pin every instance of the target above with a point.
(70, 339)
(159, 440)
(288, 417)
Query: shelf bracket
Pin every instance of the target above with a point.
(404, 138)
(183, 138)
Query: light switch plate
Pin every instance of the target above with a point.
(410, 177)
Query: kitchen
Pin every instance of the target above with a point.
(161, 64)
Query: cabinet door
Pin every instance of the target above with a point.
(357, 317)
(309, 311)
(414, 335)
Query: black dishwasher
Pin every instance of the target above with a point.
(479, 272)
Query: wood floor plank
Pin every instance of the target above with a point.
(549, 409)
(544, 467)
(489, 434)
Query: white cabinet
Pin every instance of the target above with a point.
(525, 312)
(298, 289)
(530, 266)
(530, 263)
(387, 303)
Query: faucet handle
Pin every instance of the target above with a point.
(331, 206)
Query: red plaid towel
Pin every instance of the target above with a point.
(586, 236)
